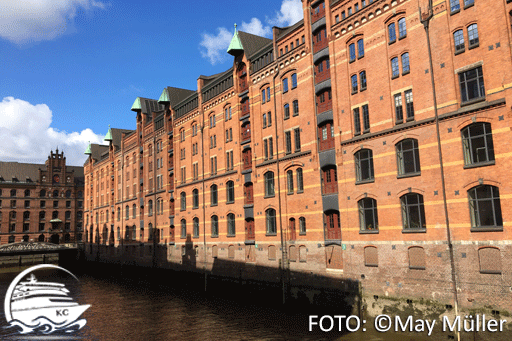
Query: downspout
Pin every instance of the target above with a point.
(284, 251)
(204, 202)
(426, 23)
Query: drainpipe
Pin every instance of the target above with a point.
(284, 251)
(426, 23)
(204, 201)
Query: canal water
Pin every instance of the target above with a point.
(132, 307)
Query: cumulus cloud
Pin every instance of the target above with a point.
(26, 134)
(32, 21)
(214, 46)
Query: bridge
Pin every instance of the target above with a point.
(31, 248)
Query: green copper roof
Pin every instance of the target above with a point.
(88, 150)
(136, 105)
(164, 97)
(108, 137)
(236, 44)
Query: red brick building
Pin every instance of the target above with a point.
(369, 141)
(41, 202)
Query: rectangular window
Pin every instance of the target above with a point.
(265, 148)
(392, 33)
(286, 111)
(294, 81)
(353, 79)
(362, 80)
(454, 5)
(285, 85)
(472, 85)
(264, 120)
(409, 105)
(360, 48)
(357, 122)
(295, 108)
(270, 148)
(366, 118)
(352, 52)
(297, 139)
(343, 15)
(395, 68)
(269, 119)
(263, 96)
(288, 137)
(268, 94)
(183, 175)
(398, 108)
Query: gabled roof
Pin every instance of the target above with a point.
(146, 105)
(247, 42)
(283, 31)
(22, 171)
(117, 135)
(97, 150)
(174, 95)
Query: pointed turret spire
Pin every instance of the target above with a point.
(108, 137)
(136, 105)
(164, 97)
(88, 150)
(236, 44)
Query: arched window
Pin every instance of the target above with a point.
(270, 216)
(269, 184)
(150, 207)
(417, 259)
(231, 224)
(183, 201)
(289, 181)
(134, 211)
(371, 256)
(118, 233)
(183, 228)
(364, 165)
(477, 144)
(42, 215)
(300, 181)
(195, 198)
(27, 193)
(119, 214)
(55, 194)
(127, 212)
(473, 36)
(214, 198)
(26, 215)
(302, 225)
(286, 111)
(408, 157)
(402, 29)
(485, 207)
(68, 194)
(215, 226)
(368, 219)
(13, 192)
(196, 227)
(458, 38)
(413, 212)
(405, 63)
(230, 192)
(55, 215)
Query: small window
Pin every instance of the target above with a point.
(360, 48)
(399, 114)
(357, 122)
(215, 226)
(214, 195)
(405, 63)
(485, 207)
(473, 36)
(409, 104)
(364, 165)
(472, 85)
(477, 144)
(395, 70)
(263, 96)
(368, 219)
(454, 5)
(270, 216)
(294, 81)
(352, 52)
(195, 228)
(231, 230)
(288, 141)
(302, 225)
(230, 192)
(269, 184)
(362, 80)
(343, 15)
(408, 157)
(183, 228)
(300, 181)
(289, 181)
(195, 198)
(285, 85)
(286, 111)
(295, 107)
(183, 201)
(392, 33)
(353, 80)
(458, 38)
(413, 212)
(402, 29)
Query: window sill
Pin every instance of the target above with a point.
(286, 118)
(351, 61)
(270, 234)
(269, 196)
(406, 73)
(408, 175)
(297, 114)
(417, 268)
(470, 5)
(362, 89)
(395, 76)
(195, 208)
(294, 87)
(473, 101)
(487, 229)
(480, 164)
(213, 205)
(229, 202)
(392, 42)
(455, 12)
(231, 235)
(490, 272)
(300, 192)
(368, 231)
(296, 151)
(460, 51)
(474, 46)
(362, 182)
(214, 236)
(402, 37)
(414, 230)
(366, 131)
(302, 233)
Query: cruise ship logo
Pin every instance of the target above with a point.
(42, 307)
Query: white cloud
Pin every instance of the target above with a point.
(31, 21)
(214, 46)
(26, 134)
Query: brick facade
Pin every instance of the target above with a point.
(41, 202)
(395, 183)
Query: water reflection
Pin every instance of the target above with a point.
(128, 307)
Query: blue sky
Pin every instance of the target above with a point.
(72, 67)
